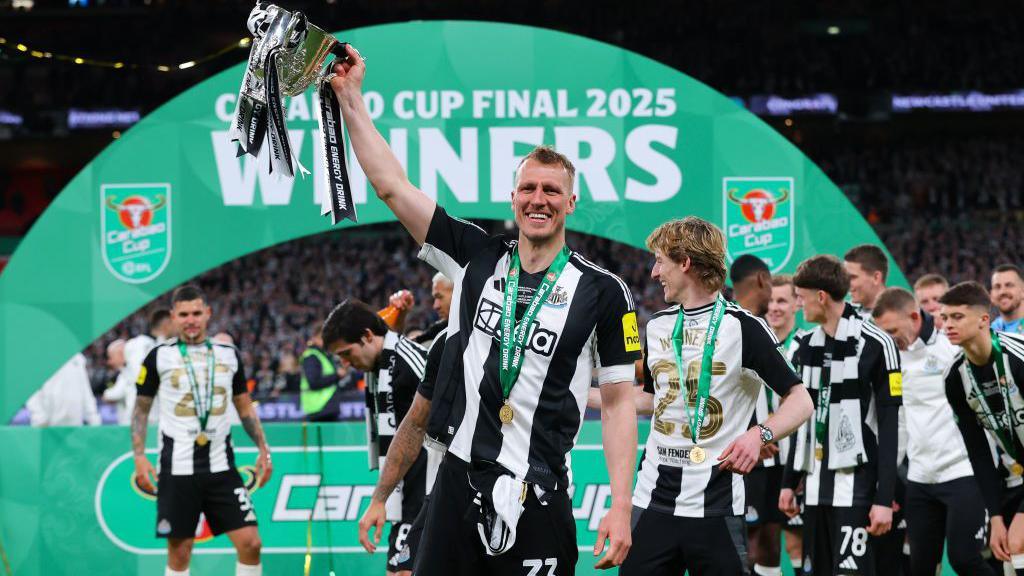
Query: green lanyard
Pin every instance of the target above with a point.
(824, 404)
(202, 408)
(696, 417)
(513, 335)
(1005, 435)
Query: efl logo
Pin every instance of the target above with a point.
(758, 215)
(135, 230)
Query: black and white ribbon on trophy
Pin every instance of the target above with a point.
(287, 57)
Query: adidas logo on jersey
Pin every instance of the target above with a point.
(488, 321)
(848, 564)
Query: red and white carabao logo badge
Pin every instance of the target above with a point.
(758, 215)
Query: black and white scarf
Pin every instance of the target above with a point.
(845, 435)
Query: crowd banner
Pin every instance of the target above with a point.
(460, 103)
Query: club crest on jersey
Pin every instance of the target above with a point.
(758, 218)
(558, 297)
(135, 230)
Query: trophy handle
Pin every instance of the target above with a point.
(340, 51)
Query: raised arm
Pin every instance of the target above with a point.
(413, 208)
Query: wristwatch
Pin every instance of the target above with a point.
(766, 434)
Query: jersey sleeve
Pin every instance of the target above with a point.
(238, 384)
(147, 383)
(450, 243)
(648, 377)
(618, 336)
(410, 366)
(426, 387)
(887, 376)
(763, 354)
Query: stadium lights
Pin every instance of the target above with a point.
(243, 43)
(833, 30)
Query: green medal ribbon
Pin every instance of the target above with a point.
(696, 417)
(202, 409)
(821, 416)
(1005, 434)
(513, 334)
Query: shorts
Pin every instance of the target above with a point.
(416, 530)
(220, 496)
(450, 545)
(762, 487)
(836, 541)
(400, 556)
(667, 545)
(1012, 503)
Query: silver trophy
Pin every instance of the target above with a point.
(287, 57)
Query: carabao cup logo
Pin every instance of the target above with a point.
(758, 216)
(136, 229)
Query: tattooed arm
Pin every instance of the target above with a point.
(251, 423)
(402, 453)
(144, 470)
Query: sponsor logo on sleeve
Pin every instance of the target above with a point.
(630, 332)
(895, 384)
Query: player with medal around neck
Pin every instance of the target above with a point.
(201, 479)
(679, 287)
(542, 198)
(965, 311)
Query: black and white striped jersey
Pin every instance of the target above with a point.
(746, 359)
(164, 375)
(872, 482)
(973, 422)
(587, 322)
(390, 390)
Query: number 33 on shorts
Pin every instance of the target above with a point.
(536, 566)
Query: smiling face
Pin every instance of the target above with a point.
(190, 319)
(782, 307)
(542, 199)
(671, 275)
(1007, 292)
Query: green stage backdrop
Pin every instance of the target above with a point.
(68, 505)
(460, 103)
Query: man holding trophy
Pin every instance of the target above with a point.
(522, 367)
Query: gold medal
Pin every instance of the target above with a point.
(202, 439)
(1016, 469)
(697, 455)
(505, 413)
(819, 453)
